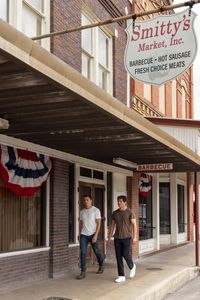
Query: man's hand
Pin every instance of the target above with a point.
(94, 239)
(109, 241)
(134, 239)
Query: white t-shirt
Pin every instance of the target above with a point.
(89, 216)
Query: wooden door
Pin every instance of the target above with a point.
(97, 193)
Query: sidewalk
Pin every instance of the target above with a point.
(156, 276)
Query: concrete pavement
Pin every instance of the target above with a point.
(190, 291)
(156, 276)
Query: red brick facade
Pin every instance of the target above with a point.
(67, 14)
(17, 270)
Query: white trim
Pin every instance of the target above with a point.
(15, 17)
(17, 143)
(147, 245)
(47, 210)
(182, 237)
(23, 252)
(73, 245)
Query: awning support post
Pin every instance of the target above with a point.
(196, 220)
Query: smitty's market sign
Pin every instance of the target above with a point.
(160, 49)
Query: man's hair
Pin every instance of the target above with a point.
(89, 196)
(122, 197)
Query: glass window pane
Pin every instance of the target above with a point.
(97, 174)
(71, 223)
(85, 172)
(109, 198)
(165, 225)
(145, 217)
(86, 38)
(37, 4)
(102, 79)
(103, 53)
(86, 63)
(31, 22)
(22, 223)
(181, 209)
(4, 10)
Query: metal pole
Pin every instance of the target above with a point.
(122, 18)
(196, 219)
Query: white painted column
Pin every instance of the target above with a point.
(156, 209)
(198, 182)
(174, 208)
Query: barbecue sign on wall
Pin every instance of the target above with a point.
(160, 49)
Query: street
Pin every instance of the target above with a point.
(189, 291)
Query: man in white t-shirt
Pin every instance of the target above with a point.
(89, 226)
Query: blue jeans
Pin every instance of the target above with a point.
(84, 241)
(122, 250)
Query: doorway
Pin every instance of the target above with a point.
(98, 195)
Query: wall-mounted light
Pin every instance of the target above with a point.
(125, 163)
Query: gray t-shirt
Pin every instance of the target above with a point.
(122, 220)
(89, 217)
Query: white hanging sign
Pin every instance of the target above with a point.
(160, 49)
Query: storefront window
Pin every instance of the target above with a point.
(71, 205)
(109, 198)
(145, 217)
(22, 221)
(164, 195)
(181, 209)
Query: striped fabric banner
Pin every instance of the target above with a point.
(144, 184)
(23, 171)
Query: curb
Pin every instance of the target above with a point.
(156, 292)
(170, 285)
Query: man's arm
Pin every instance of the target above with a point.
(98, 222)
(134, 230)
(111, 230)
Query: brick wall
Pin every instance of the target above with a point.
(73, 257)
(21, 269)
(67, 14)
(59, 211)
(133, 203)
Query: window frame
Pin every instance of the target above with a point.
(15, 17)
(181, 225)
(94, 56)
(7, 11)
(44, 224)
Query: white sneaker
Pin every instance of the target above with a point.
(132, 271)
(120, 279)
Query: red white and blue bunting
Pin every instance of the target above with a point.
(23, 171)
(144, 184)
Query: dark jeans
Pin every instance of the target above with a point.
(84, 240)
(122, 250)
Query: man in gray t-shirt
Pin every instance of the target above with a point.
(89, 226)
(124, 225)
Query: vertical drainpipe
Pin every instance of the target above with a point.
(196, 219)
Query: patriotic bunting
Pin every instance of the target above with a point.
(23, 171)
(144, 184)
